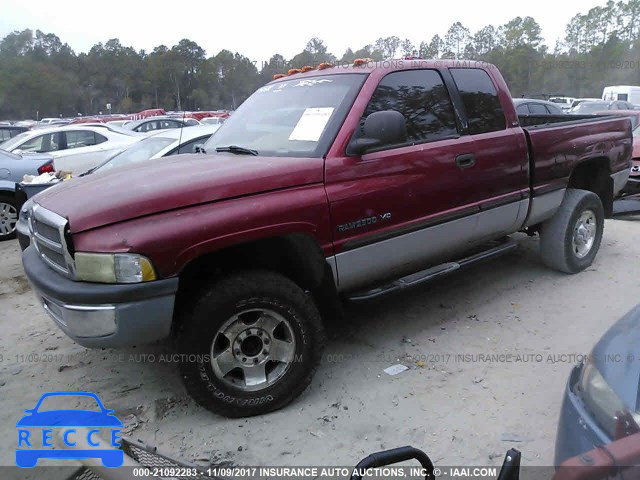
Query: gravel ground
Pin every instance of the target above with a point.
(459, 409)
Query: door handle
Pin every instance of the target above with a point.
(466, 160)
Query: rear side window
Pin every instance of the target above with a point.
(538, 109)
(480, 99)
(420, 95)
(80, 138)
(522, 109)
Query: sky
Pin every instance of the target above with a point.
(260, 29)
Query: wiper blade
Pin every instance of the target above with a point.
(238, 150)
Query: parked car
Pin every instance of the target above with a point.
(213, 120)
(628, 93)
(563, 102)
(10, 131)
(159, 144)
(589, 107)
(531, 106)
(323, 185)
(12, 169)
(601, 398)
(75, 148)
(633, 115)
(159, 123)
(578, 101)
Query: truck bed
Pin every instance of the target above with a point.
(558, 142)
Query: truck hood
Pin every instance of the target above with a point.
(616, 356)
(173, 182)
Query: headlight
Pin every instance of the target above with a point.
(608, 410)
(113, 268)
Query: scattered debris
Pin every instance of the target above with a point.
(318, 434)
(16, 369)
(421, 364)
(395, 369)
(406, 340)
(64, 367)
(478, 379)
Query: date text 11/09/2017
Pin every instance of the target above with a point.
(323, 472)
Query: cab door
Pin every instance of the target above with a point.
(403, 206)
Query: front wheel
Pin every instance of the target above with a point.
(569, 241)
(251, 344)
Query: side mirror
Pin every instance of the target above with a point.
(199, 148)
(380, 128)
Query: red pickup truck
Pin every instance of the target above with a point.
(339, 182)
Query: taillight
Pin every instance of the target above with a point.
(46, 168)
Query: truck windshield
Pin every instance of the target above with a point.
(291, 118)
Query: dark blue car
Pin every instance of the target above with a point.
(602, 398)
(63, 418)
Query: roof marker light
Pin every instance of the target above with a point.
(293, 71)
(278, 75)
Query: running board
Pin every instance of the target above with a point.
(434, 272)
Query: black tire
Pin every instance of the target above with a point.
(8, 208)
(208, 316)
(557, 246)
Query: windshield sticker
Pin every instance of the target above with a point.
(311, 83)
(311, 124)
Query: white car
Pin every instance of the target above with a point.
(161, 144)
(75, 148)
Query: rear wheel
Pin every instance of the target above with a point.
(569, 241)
(251, 344)
(8, 217)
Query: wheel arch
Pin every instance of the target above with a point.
(296, 256)
(594, 174)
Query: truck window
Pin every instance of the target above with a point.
(420, 95)
(480, 99)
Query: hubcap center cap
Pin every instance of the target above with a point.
(251, 346)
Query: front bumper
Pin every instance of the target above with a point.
(103, 315)
(577, 431)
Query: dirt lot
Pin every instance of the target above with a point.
(456, 408)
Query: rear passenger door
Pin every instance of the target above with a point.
(403, 205)
(498, 181)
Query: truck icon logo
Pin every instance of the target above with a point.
(36, 430)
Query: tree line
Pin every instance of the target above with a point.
(43, 76)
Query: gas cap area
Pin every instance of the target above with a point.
(4, 173)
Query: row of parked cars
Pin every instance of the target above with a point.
(578, 106)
